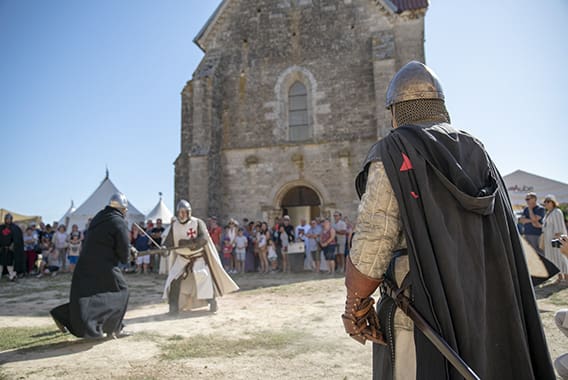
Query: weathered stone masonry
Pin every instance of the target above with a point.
(236, 156)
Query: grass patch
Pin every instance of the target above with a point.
(29, 337)
(204, 346)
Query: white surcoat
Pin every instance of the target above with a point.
(199, 285)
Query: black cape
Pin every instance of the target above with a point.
(13, 239)
(467, 268)
(99, 294)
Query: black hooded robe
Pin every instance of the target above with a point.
(467, 268)
(99, 294)
(12, 248)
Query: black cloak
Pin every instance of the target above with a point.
(467, 267)
(99, 294)
(14, 239)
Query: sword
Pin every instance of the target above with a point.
(403, 302)
(148, 236)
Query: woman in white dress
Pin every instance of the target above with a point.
(553, 226)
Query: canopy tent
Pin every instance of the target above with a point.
(519, 183)
(18, 218)
(96, 202)
(161, 211)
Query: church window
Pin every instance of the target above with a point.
(298, 121)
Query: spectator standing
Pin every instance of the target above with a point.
(30, 245)
(340, 235)
(241, 244)
(60, 243)
(215, 231)
(328, 245)
(553, 227)
(232, 233)
(262, 237)
(532, 220)
(156, 234)
(227, 254)
(142, 243)
(312, 245)
(74, 251)
(284, 242)
(275, 237)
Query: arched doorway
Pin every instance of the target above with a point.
(301, 202)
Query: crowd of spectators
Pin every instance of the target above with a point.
(257, 247)
(244, 247)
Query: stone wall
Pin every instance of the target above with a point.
(236, 157)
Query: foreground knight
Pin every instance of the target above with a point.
(196, 276)
(99, 293)
(436, 232)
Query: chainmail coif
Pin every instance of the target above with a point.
(413, 111)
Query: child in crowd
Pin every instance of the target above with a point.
(74, 250)
(241, 243)
(227, 254)
(30, 243)
(272, 256)
(51, 263)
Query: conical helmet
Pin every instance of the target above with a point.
(414, 81)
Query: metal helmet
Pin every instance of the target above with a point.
(183, 204)
(118, 201)
(414, 81)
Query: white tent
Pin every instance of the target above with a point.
(65, 218)
(161, 211)
(519, 183)
(97, 201)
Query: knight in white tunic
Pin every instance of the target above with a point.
(196, 276)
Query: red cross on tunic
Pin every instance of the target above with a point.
(191, 233)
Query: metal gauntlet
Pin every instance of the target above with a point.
(360, 319)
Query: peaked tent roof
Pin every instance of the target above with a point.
(519, 183)
(65, 218)
(397, 6)
(18, 218)
(161, 211)
(97, 201)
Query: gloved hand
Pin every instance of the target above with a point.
(360, 318)
(133, 252)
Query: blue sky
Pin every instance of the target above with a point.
(90, 84)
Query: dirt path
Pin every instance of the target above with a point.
(278, 327)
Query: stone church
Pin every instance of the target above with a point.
(289, 96)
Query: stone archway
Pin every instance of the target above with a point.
(300, 202)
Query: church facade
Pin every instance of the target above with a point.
(287, 100)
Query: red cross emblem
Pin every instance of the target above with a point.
(191, 233)
(6, 231)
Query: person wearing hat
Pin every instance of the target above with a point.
(436, 230)
(553, 226)
(99, 294)
(532, 219)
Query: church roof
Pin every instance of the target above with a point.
(397, 6)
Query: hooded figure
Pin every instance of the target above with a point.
(11, 248)
(99, 294)
(435, 219)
